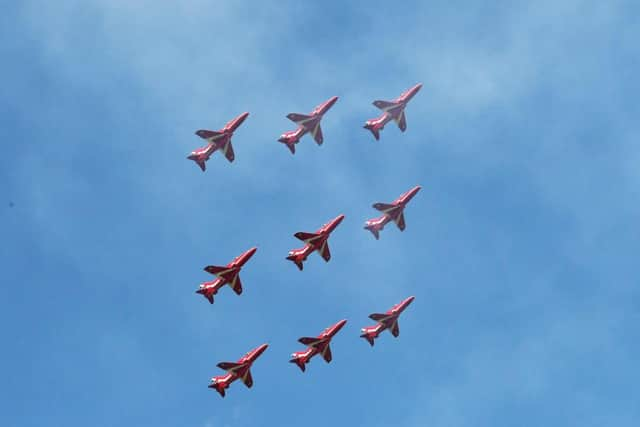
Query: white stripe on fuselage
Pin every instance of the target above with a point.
(215, 137)
(219, 274)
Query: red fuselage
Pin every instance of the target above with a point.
(388, 320)
(307, 123)
(314, 242)
(238, 370)
(391, 110)
(393, 211)
(318, 345)
(229, 274)
(217, 140)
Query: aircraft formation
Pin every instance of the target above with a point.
(313, 241)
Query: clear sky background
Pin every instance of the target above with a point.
(521, 249)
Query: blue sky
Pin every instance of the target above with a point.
(521, 249)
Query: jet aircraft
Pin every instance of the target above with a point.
(393, 211)
(306, 123)
(314, 242)
(217, 140)
(229, 274)
(392, 110)
(388, 320)
(318, 345)
(240, 369)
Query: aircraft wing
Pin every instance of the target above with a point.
(395, 329)
(228, 151)
(402, 122)
(216, 270)
(400, 221)
(207, 134)
(383, 207)
(306, 237)
(326, 354)
(308, 340)
(247, 379)
(298, 118)
(228, 366)
(324, 251)
(377, 316)
(317, 134)
(384, 105)
(236, 285)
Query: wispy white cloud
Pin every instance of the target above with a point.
(501, 123)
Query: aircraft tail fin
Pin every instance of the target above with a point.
(368, 337)
(374, 130)
(296, 261)
(209, 297)
(299, 362)
(290, 141)
(219, 387)
(200, 162)
(374, 229)
(370, 334)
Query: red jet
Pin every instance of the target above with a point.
(306, 123)
(390, 212)
(388, 320)
(218, 140)
(392, 110)
(240, 369)
(319, 345)
(314, 242)
(230, 274)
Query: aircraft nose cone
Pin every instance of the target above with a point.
(340, 324)
(261, 349)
